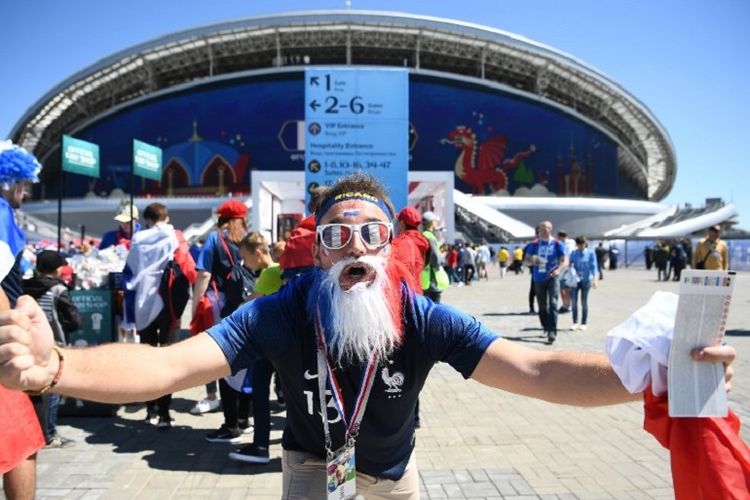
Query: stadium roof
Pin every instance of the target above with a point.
(424, 44)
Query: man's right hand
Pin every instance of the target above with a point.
(26, 342)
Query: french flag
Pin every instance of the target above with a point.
(12, 240)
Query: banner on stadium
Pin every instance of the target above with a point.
(80, 157)
(147, 160)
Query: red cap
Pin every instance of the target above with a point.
(232, 209)
(410, 216)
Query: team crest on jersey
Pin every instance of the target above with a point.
(394, 381)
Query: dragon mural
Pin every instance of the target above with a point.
(481, 166)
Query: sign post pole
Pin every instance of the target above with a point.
(78, 157)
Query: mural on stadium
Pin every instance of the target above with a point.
(505, 145)
(495, 142)
(484, 167)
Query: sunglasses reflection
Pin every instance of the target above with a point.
(338, 235)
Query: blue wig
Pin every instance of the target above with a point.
(17, 164)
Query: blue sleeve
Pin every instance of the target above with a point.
(594, 266)
(450, 335)
(205, 260)
(561, 249)
(108, 239)
(262, 327)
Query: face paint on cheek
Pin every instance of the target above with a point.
(351, 213)
(325, 251)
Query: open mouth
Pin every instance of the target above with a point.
(355, 273)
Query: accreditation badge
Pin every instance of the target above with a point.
(341, 474)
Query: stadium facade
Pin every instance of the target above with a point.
(492, 114)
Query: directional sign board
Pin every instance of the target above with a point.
(146, 160)
(357, 119)
(80, 157)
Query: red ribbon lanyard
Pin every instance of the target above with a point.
(325, 371)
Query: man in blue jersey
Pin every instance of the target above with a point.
(349, 338)
(546, 257)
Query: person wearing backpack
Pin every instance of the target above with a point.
(711, 252)
(158, 271)
(46, 287)
(221, 273)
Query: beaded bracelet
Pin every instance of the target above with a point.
(44, 390)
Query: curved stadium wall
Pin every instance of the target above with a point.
(498, 142)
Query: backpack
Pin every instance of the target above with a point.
(238, 283)
(48, 303)
(174, 289)
(176, 281)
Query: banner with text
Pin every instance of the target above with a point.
(95, 307)
(357, 119)
(146, 160)
(80, 157)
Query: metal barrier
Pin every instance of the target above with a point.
(632, 252)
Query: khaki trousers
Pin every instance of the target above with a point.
(304, 477)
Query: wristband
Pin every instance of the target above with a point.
(44, 390)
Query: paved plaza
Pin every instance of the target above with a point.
(475, 442)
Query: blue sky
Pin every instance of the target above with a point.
(688, 60)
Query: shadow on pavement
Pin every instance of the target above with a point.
(509, 314)
(540, 338)
(738, 332)
(181, 448)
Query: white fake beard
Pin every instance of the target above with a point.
(361, 319)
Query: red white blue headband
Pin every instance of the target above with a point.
(355, 195)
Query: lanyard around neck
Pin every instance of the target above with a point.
(325, 372)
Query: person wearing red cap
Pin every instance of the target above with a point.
(297, 257)
(409, 247)
(219, 266)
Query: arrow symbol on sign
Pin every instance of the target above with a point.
(314, 80)
(315, 105)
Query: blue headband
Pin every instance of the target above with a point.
(326, 206)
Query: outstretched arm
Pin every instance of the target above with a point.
(112, 373)
(574, 378)
(123, 373)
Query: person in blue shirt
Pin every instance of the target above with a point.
(583, 262)
(220, 269)
(546, 257)
(352, 344)
(127, 219)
